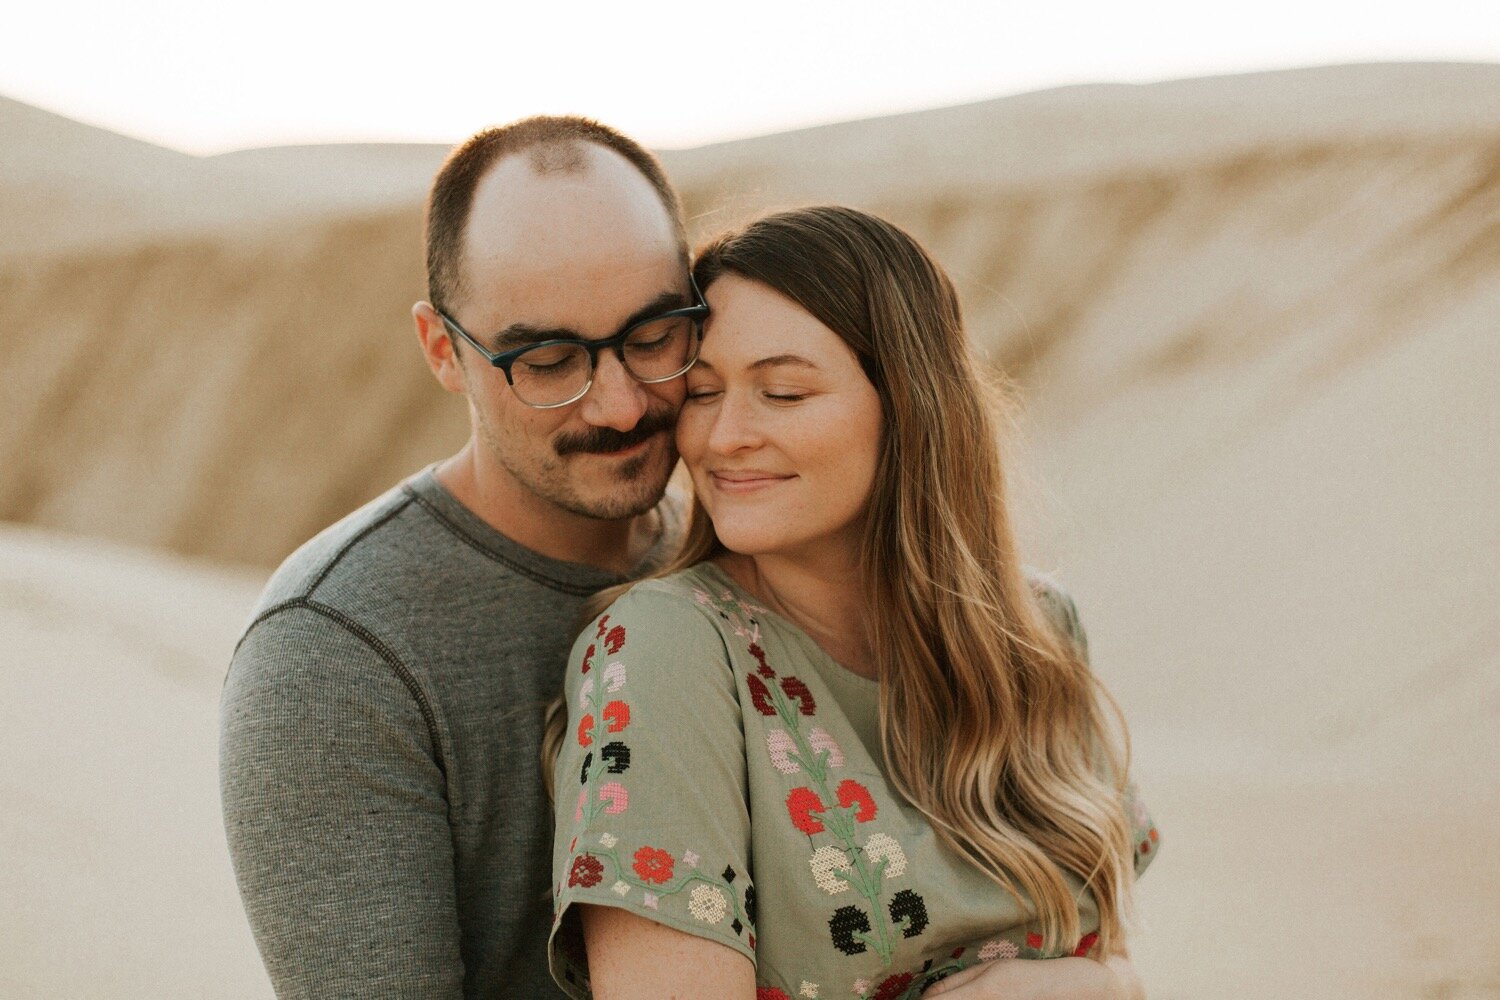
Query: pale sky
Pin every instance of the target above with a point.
(205, 77)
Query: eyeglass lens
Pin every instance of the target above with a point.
(655, 351)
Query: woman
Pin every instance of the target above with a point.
(843, 745)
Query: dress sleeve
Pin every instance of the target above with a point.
(651, 788)
(1063, 613)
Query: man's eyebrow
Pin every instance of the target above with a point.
(521, 334)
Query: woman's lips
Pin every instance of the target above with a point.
(746, 482)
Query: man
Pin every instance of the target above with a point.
(382, 715)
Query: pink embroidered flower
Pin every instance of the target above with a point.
(779, 744)
(760, 657)
(616, 796)
(617, 714)
(801, 804)
(998, 948)
(760, 696)
(1084, 945)
(653, 864)
(586, 731)
(851, 792)
(893, 987)
(588, 656)
(799, 693)
(587, 871)
(615, 639)
(820, 740)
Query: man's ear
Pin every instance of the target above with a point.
(438, 347)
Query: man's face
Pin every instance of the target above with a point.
(572, 254)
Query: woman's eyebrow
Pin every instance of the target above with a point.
(777, 360)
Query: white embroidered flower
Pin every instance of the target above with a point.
(883, 846)
(826, 862)
(809, 990)
(608, 839)
(614, 676)
(584, 693)
(620, 888)
(707, 903)
(998, 949)
(861, 986)
(780, 744)
(820, 740)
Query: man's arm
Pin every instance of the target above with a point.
(336, 814)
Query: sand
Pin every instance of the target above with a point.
(1254, 321)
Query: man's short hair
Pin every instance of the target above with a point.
(554, 144)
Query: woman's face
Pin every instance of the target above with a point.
(781, 428)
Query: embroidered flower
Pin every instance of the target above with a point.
(780, 745)
(852, 793)
(615, 794)
(708, 904)
(1085, 943)
(883, 847)
(760, 696)
(615, 640)
(650, 899)
(799, 693)
(617, 756)
(587, 871)
(603, 624)
(750, 904)
(998, 949)
(760, 657)
(583, 798)
(690, 859)
(584, 693)
(893, 987)
(653, 864)
(614, 676)
(608, 840)
(800, 805)
(809, 990)
(1033, 940)
(770, 993)
(588, 656)
(909, 908)
(859, 987)
(826, 862)
(819, 739)
(621, 888)
(617, 714)
(844, 925)
(586, 731)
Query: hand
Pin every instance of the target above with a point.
(1053, 979)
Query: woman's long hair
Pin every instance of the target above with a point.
(991, 723)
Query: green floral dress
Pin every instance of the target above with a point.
(692, 710)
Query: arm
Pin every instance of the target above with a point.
(633, 958)
(336, 816)
(1054, 979)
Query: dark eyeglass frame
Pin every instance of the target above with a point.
(697, 313)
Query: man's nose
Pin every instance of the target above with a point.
(615, 399)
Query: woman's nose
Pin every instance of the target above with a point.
(734, 427)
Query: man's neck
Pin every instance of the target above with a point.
(495, 497)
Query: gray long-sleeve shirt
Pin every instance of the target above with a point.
(379, 739)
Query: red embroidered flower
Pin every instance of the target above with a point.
(893, 987)
(585, 731)
(801, 805)
(851, 792)
(617, 714)
(770, 993)
(603, 624)
(798, 692)
(1145, 847)
(1154, 835)
(1084, 945)
(588, 654)
(760, 657)
(653, 864)
(615, 639)
(1033, 940)
(760, 696)
(587, 871)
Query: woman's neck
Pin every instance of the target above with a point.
(823, 597)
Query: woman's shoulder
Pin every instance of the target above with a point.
(1057, 604)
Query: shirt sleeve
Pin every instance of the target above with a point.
(651, 784)
(336, 814)
(1145, 838)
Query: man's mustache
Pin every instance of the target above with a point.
(607, 439)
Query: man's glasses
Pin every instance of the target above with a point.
(554, 373)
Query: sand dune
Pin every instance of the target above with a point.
(1256, 325)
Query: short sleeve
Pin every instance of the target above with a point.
(1062, 611)
(651, 788)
